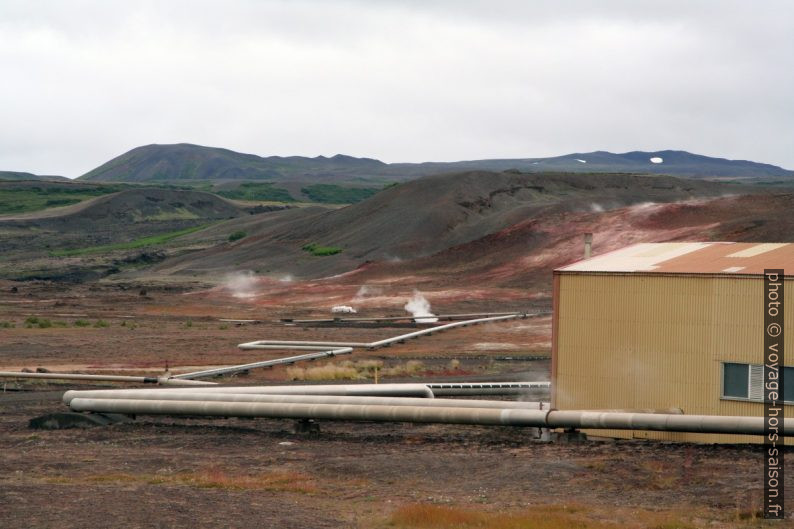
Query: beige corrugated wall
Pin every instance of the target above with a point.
(657, 341)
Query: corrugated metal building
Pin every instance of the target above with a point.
(668, 325)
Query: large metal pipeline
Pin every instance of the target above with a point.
(444, 415)
(306, 399)
(342, 412)
(363, 390)
(428, 390)
(661, 422)
(162, 380)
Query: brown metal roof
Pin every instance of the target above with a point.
(692, 258)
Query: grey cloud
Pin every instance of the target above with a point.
(401, 81)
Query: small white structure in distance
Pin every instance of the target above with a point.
(657, 159)
(580, 161)
(343, 309)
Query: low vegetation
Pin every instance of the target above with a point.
(152, 240)
(358, 370)
(428, 516)
(21, 198)
(237, 235)
(320, 251)
(336, 194)
(255, 192)
(7, 325)
(35, 321)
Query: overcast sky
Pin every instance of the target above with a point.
(84, 81)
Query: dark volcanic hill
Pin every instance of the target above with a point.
(422, 217)
(49, 243)
(182, 162)
(17, 175)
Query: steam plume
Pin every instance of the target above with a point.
(420, 308)
(241, 284)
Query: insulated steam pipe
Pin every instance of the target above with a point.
(312, 399)
(374, 390)
(444, 415)
(345, 412)
(366, 390)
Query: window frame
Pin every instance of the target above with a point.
(749, 377)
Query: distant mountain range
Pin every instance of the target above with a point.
(185, 162)
(193, 162)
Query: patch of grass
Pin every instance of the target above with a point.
(101, 324)
(326, 372)
(223, 326)
(320, 251)
(257, 191)
(336, 194)
(7, 325)
(22, 198)
(82, 323)
(237, 235)
(189, 323)
(350, 370)
(35, 321)
(152, 240)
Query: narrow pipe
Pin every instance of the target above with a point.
(162, 380)
(261, 344)
(439, 328)
(271, 344)
(346, 348)
(484, 388)
(292, 347)
(311, 399)
(265, 363)
(403, 318)
(444, 415)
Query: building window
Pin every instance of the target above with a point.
(736, 380)
(746, 381)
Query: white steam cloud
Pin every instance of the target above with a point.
(241, 284)
(366, 291)
(420, 308)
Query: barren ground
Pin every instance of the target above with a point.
(173, 472)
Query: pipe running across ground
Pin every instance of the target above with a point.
(429, 414)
